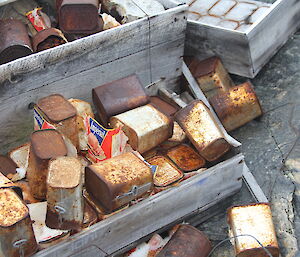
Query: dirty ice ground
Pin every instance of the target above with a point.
(271, 146)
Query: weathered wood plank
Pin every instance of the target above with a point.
(141, 219)
(16, 118)
(231, 46)
(273, 31)
(86, 53)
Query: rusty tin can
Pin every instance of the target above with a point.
(178, 136)
(186, 158)
(145, 127)
(27, 195)
(6, 183)
(83, 109)
(14, 40)
(45, 145)
(16, 233)
(211, 75)
(65, 206)
(48, 38)
(113, 183)
(163, 106)
(90, 216)
(7, 166)
(166, 172)
(237, 106)
(60, 114)
(187, 241)
(79, 16)
(202, 130)
(118, 96)
(255, 220)
(20, 155)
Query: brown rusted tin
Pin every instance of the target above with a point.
(90, 216)
(83, 109)
(255, 220)
(211, 75)
(6, 183)
(163, 106)
(202, 130)
(79, 16)
(145, 127)
(48, 38)
(237, 106)
(186, 158)
(178, 136)
(16, 233)
(28, 198)
(187, 241)
(166, 173)
(65, 206)
(45, 145)
(118, 96)
(114, 182)
(7, 166)
(61, 114)
(14, 40)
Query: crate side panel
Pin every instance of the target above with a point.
(157, 211)
(17, 120)
(273, 31)
(232, 47)
(89, 52)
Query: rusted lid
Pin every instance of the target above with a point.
(186, 158)
(205, 67)
(166, 172)
(7, 165)
(56, 108)
(47, 144)
(64, 172)
(43, 35)
(119, 96)
(80, 16)
(187, 241)
(12, 208)
(163, 106)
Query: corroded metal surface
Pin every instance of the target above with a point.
(118, 96)
(237, 106)
(230, 14)
(202, 130)
(16, 233)
(47, 38)
(166, 172)
(83, 109)
(186, 158)
(61, 114)
(115, 182)
(163, 106)
(187, 241)
(211, 75)
(7, 166)
(14, 40)
(6, 183)
(65, 206)
(254, 220)
(20, 155)
(145, 127)
(45, 144)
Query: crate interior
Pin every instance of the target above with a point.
(239, 16)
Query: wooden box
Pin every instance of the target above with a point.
(244, 52)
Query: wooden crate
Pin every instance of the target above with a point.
(245, 53)
(151, 47)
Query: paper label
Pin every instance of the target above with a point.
(36, 19)
(103, 143)
(40, 122)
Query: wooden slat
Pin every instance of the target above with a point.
(17, 119)
(91, 51)
(232, 47)
(142, 219)
(273, 31)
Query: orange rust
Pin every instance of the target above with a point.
(186, 158)
(166, 173)
(237, 106)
